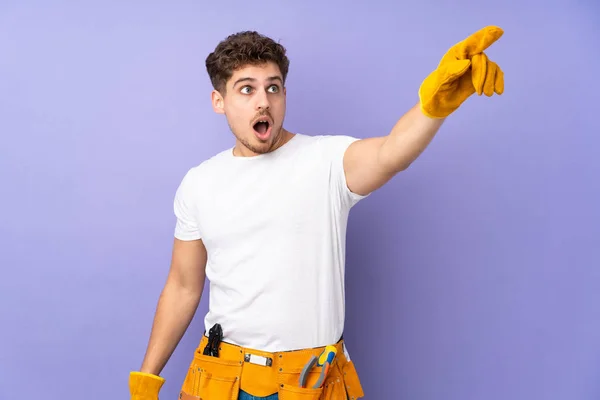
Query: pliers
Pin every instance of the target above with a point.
(215, 335)
(324, 360)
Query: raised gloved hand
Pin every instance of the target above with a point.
(462, 71)
(144, 386)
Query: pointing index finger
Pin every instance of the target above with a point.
(478, 42)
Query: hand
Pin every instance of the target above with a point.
(144, 386)
(462, 71)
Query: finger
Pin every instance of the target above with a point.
(479, 67)
(490, 79)
(499, 81)
(478, 42)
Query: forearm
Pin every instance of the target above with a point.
(175, 310)
(408, 139)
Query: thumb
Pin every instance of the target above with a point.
(449, 71)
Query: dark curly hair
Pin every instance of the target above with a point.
(241, 49)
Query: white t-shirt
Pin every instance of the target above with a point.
(274, 226)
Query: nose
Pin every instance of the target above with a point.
(262, 100)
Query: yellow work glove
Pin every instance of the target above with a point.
(462, 71)
(144, 386)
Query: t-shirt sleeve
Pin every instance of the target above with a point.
(335, 146)
(185, 209)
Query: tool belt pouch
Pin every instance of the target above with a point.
(352, 384)
(341, 383)
(211, 378)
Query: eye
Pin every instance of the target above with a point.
(246, 90)
(273, 88)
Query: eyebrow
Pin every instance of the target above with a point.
(248, 79)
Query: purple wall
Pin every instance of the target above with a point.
(487, 250)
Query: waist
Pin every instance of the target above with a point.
(262, 373)
(281, 327)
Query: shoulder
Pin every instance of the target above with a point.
(196, 178)
(204, 169)
(330, 145)
(331, 140)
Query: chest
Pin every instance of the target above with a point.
(260, 204)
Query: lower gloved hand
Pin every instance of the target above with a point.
(462, 71)
(144, 386)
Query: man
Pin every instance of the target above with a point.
(265, 222)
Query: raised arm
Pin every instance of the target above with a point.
(464, 70)
(372, 162)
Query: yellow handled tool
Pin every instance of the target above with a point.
(324, 360)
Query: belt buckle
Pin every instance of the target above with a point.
(258, 360)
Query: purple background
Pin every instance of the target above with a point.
(485, 253)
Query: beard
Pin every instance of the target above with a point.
(257, 146)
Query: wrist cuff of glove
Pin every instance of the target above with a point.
(428, 114)
(143, 383)
(427, 108)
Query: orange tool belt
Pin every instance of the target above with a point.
(262, 374)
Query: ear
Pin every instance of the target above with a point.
(217, 102)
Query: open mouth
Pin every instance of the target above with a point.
(262, 128)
